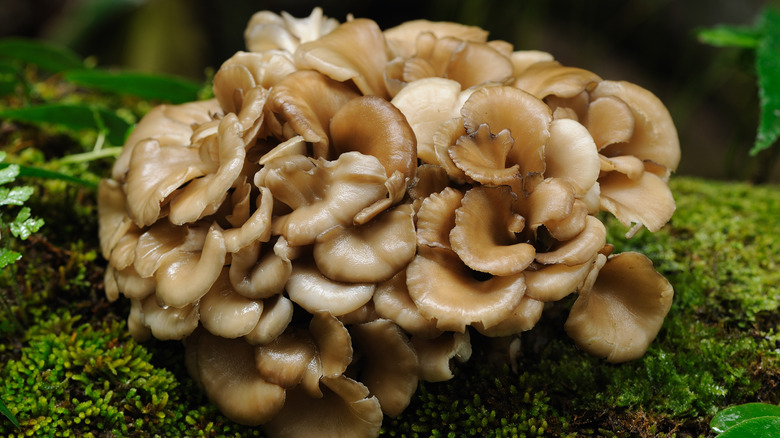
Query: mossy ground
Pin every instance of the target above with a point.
(69, 366)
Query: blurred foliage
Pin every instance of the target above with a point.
(764, 39)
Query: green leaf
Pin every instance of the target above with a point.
(7, 257)
(147, 86)
(761, 427)
(15, 195)
(730, 36)
(36, 172)
(10, 77)
(768, 70)
(24, 225)
(47, 56)
(734, 415)
(73, 116)
(5, 411)
(8, 172)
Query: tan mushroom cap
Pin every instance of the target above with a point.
(334, 343)
(522, 59)
(128, 282)
(623, 312)
(113, 221)
(168, 125)
(226, 313)
(526, 117)
(655, 136)
(392, 301)
(579, 249)
(321, 193)
(269, 31)
(372, 252)
(248, 71)
(444, 289)
(346, 410)
(135, 322)
(551, 200)
(355, 51)
(426, 104)
(306, 101)
(226, 370)
(388, 364)
(484, 232)
(609, 121)
(547, 78)
(547, 283)
(435, 355)
(571, 154)
(482, 156)
(313, 291)
(256, 274)
(373, 126)
(523, 318)
(289, 360)
(402, 39)
(185, 276)
(436, 218)
(277, 315)
(168, 323)
(428, 180)
(256, 228)
(646, 200)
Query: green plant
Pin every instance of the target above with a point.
(748, 420)
(764, 39)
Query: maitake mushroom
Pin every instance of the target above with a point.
(354, 204)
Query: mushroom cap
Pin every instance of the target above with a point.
(269, 31)
(523, 318)
(436, 218)
(547, 78)
(571, 154)
(435, 354)
(426, 104)
(655, 137)
(372, 252)
(444, 289)
(289, 360)
(322, 194)
(256, 274)
(388, 364)
(579, 249)
(226, 370)
(313, 291)
(334, 343)
(306, 101)
(226, 313)
(113, 221)
(276, 316)
(373, 126)
(345, 410)
(392, 301)
(484, 232)
(355, 51)
(646, 200)
(549, 283)
(609, 120)
(623, 311)
(168, 323)
(526, 117)
(482, 156)
(402, 39)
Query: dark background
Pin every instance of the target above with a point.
(711, 92)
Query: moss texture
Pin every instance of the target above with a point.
(70, 368)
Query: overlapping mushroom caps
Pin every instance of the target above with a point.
(354, 198)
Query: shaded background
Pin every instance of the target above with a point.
(710, 92)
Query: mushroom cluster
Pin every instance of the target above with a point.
(353, 203)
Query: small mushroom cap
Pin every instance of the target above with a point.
(289, 360)
(226, 370)
(547, 78)
(550, 283)
(372, 252)
(307, 100)
(388, 364)
(113, 221)
(646, 200)
(225, 313)
(444, 289)
(482, 156)
(392, 301)
(373, 126)
(435, 354)
(484, 233)
(321, 193)
(353, 51)
(334, 343)
(580, 249)
(256, 274)
(168, 323)
(571, 154)
(269, 31)
(436, 218)
(523, 318)
(623, 311)
(313, 291)
(345, 410)
(655, 137)
(402, 39)
(277, 315)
